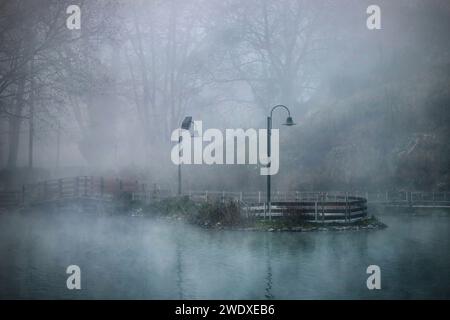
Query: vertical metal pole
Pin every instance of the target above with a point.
(269, 133)
(58, 145)
(179, 164)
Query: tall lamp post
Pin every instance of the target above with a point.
(185, 125)
(289, 122)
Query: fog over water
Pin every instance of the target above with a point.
(101, 102)
(145, 258)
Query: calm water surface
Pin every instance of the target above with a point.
(144, 258)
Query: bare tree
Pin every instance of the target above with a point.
(165, 57)
(273, 47)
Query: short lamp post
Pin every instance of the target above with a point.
(185, 125)
(289, 122)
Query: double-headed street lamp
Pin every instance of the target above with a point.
(185, 125)
(289, 122)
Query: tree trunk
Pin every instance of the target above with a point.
(14, 126)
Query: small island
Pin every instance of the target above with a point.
(229, 214)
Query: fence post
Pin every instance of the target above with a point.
(45, 190)
(315, 210)
(223, 196)
(259, 196)
(323, 213)
(240, 196)
(23, 194)
(102, 186)
(60, 188)
(347, 214)
(143, 197)
(155, 195)
(323, 209)
(91, 185)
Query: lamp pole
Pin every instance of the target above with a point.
(269, 144)
(180, 138)
(185, 125)
(289, 122)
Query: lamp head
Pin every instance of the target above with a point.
(289, 122)
(186, 124)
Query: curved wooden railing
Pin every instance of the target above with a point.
(319, 208)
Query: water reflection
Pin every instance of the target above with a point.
(179, 268)
(268, 249)
(125, 257)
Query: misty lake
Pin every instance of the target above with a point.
(145, 258)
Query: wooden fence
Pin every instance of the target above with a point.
(68, 188)
(107, 188)
(403, 198)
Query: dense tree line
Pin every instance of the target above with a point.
(372, 106)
